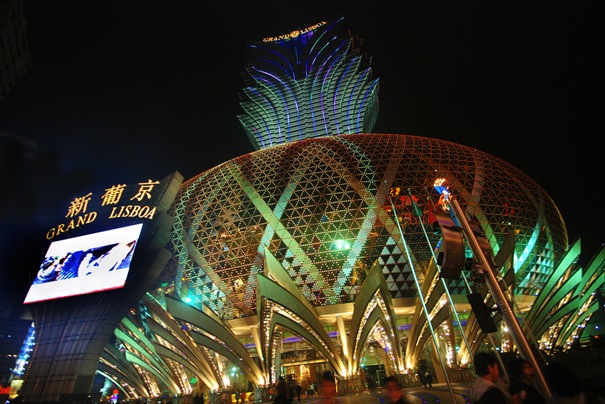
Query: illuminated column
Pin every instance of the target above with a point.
(257, 343)
(342, 334)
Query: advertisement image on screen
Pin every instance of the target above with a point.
(85, 264)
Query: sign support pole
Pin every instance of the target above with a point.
(500, 298)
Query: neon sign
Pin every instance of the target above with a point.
(294, 34)
(83, 210)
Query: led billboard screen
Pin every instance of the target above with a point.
(85, 264)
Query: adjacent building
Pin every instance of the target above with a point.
(15, 59)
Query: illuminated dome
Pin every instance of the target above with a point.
(322, 207)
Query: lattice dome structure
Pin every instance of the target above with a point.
(322, 207)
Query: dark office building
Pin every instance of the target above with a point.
(15, 60)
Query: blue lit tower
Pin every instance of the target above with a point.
(311, 82)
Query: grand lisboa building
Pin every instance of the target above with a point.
(300, 242)
(322, 250)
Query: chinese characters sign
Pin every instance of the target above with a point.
(135, 201)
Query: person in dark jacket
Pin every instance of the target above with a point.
(522, 382)
(566, 387)
(281, 392)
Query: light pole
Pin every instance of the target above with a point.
(500, 298)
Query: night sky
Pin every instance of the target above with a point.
(125, 91)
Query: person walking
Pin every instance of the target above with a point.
(421, 373)
(484, 390)
(291, 391)
(428, 377)
(281, 392)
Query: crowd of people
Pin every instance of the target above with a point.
(489, 387)
(287, 393)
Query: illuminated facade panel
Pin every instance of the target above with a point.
(305, 84)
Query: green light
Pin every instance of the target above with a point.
(341, 245)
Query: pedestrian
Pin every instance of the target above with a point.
(281, 392)
(421, 373)
(298, 389)
(428, 377)
(484, 390)
(395, 391)
(522, 382)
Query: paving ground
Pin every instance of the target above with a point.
(438, 394)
